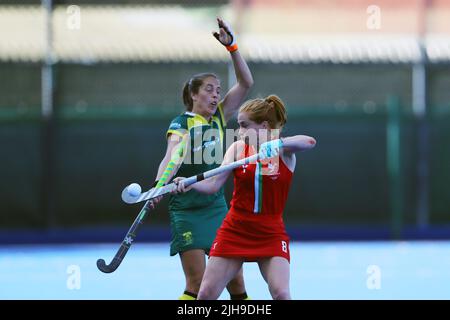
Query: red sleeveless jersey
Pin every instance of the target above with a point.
(254, 227)
(261, 189)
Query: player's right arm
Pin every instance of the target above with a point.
(177, 140)
(173, 143)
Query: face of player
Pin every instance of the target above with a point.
(207, 98)
(251, 132)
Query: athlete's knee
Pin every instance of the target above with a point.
(207, 292)
(280, 293)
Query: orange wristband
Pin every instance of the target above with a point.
(232, 48)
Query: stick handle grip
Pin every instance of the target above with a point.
(176, 156)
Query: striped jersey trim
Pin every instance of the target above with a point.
(258, 188)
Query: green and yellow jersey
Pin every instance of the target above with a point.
(206, 149)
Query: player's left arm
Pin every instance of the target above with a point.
(288, 145)
(286, 148)
(239, 91)
(297, 143)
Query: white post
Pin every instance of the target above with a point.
(419, 97)
(419, 101)
(419, 83)
(47, 122)
(47, 66)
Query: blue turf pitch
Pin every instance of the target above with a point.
(319, 270)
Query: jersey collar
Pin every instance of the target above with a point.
(198, 117)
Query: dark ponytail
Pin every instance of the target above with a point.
(187, 99)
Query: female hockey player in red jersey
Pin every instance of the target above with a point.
(253, 229)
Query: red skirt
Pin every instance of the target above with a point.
(251, 238)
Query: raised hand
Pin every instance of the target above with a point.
(225, 35)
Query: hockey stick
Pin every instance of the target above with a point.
(126, 243)
(132, 232)
(156, 192)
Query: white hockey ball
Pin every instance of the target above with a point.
(134, 190)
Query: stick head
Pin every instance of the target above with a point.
(116, 261)
(101, 265)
